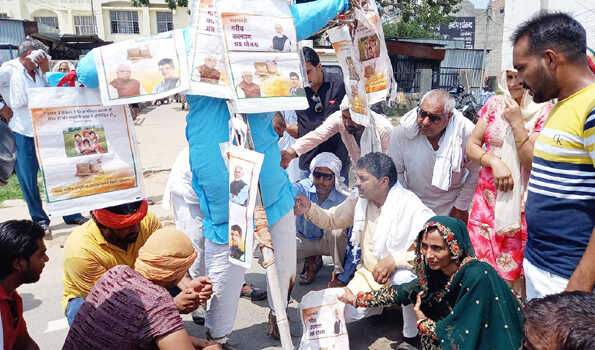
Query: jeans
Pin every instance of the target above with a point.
(26, 168)
(72, 309)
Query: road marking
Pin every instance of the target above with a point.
(56, 325)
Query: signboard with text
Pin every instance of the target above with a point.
(461, 28)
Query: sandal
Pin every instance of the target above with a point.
(272, 328)
(312, 266)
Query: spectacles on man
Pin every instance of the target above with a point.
(434, 118)
(318, 103)
(325, 176)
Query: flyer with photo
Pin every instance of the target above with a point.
(143, 69)
(244, 170)
(262, 50)
(86, 151)
(353, 75)
(323, 321)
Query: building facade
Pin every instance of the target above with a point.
(110, 20)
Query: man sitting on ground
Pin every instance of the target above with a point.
(22, 259)
(385, 236)
(136, 304)
(113, 237)
(325, 187)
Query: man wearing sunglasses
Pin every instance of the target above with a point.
(324, 95)
(22, 259)
(428, 148)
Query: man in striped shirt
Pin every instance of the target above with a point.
(549, 54)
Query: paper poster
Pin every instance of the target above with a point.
(373, 55)
(209, 66)
(143, 69)
(244, 170)
(86, 151)
(353, 75)
(323, 321)
(261, 45)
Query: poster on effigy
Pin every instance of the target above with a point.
(348, 58)
(323, 321)
(87, 152)
(143, 69)
(208, 59)
(368, 40)
(261, 45)
(244, 170)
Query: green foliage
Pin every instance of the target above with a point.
(12, 190)
(172, 4)
(407, 30)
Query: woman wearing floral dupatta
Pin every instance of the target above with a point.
(460, 302)
(508, 126)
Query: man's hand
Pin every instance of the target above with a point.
(302, 204)
(287, 156)
(187, 301)
(384, 269)
(279, 124)
(348, 297)
(44, 63)
(462, 215)
(292, 130)
(6, 112)
(203, 286)
(417, 308)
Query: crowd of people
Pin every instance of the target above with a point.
(483, 233)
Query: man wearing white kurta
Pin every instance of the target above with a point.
(385, 236)
(428, 148)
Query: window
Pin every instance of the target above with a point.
(165, 22)
(124, 22)
(48, 21)
(84, 25)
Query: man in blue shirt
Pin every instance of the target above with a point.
(325, 187)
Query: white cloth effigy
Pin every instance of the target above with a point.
(402, 216)
(449, 157)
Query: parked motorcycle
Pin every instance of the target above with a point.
(465, 102)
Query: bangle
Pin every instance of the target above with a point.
(481, 157)
(524, 141)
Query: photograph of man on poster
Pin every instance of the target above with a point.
(124, 85)
(208, 72)
(235, 243)
(247, 87)
(238, 188)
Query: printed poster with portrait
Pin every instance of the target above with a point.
(143, 69)
(244, 170)
(87, 151)
(265, 66)
(323, 321)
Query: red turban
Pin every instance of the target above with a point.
(118, 221)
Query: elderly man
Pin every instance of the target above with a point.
(16, 76)
(124, 85)
(549, 55)
(113, 237)
(428, 148)
(325, 187)
(280, 41)
(351, 134)
(248, 88)
(137, 301)
(386, 219)
(22, 259)
(208, 72)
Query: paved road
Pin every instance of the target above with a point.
(160, 134)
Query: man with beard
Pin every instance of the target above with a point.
(22, 259)
(549, 55)
(428, 147)
(351, 134)
(113, 237)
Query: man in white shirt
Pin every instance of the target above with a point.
(428, 148)
(16, 76)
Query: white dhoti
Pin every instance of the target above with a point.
(188, 218)
(363, 281)
(283, 235)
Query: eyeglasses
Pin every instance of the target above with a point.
(434, 118)
(325, 176)
(318, 103)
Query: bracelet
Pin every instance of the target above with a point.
(481, 157)
(524, 141)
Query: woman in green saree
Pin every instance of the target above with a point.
(460, 302)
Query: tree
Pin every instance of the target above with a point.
(172, 4)
(418, 18)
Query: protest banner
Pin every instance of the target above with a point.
(244, 169)
(261, 46)
(143, 69)
(323, 321)
(86, 151)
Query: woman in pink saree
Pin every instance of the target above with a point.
(502, 142)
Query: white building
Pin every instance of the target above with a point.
(110, 20)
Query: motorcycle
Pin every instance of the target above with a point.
(465, 102)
